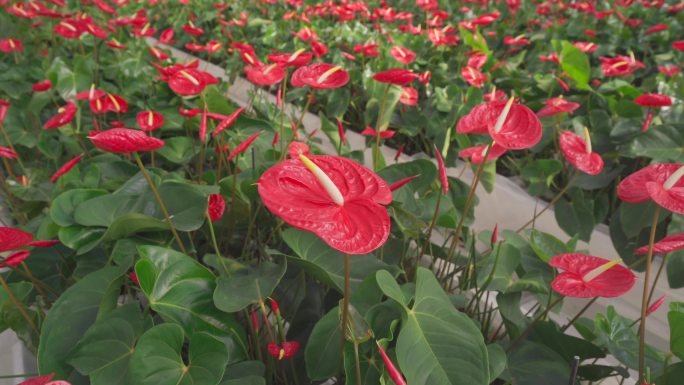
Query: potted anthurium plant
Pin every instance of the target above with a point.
(159, 233)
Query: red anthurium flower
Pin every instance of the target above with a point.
(64, 116)
(213, 46)
(166, 37)
(473, 76)
(367, 50)
(228, 121)
(424, 77)
(65, 168)
(578, 152)
(666, 245)
(194, 47)
(44, 243)
(285, 350)
(240, 148)
(661, 182)
(190, 81)
(441, 167)
(653, 100)
(331, 196)
(192, 30)
(11, 45)
(217, 205)
(477, 61)
(669, 69)
(552, 57)
(518, 40)
(125, 140)
(400, 183)
(477, 153)
(265, 74)
(4, 105)
(158, 54)
(149, 120)
(7, 153)
(392, 370)
(319, 49)
(296, 59)
(385, 134)
(320, 75)
(145, 31)
(657, 28)
(403, 55)
(516, 127)
(409, 96)
(678, 45)
(620, 65)
(70, 29)
(306, 34)
(341, 133)
(42, 86)
(189, 112)
(203, 125)
(655, 305)
(11, 238)
(275, 306)
(16, 258)
(586, 47)
(397, 76)
(40, 380)
(555, 106)
(586, 276)
(115, 44)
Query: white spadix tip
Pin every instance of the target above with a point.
(324, 179)
(600, 270)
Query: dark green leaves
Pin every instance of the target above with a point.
(157, 358)
(575, 63)
(437, 344)
(247, 285)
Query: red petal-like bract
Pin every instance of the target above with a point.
(7, 153)
(65, 168)
(44, 243)
(217, 205)
(402, 55)
(40, 380)
(574, 149)
(124, 140)
(190, 81)
(359, 226)
(265, 74)
(441, 167)
(63, 117)
(672, 199)
(290, 348)
(400, 183)
(653, 100)
(397, 76)
(655, 305)
(613, 282)
(555, 106)
(149, 120)
(476, 153)
(228, 121)
(633, 188)
(291, 59)
(392, 370)
(666, 245)
(15, 259)
(521, 129)
(311, 76)
(240, 148)
(11, 238)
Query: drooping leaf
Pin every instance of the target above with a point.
(248, 285)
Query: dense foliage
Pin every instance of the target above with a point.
(158, 233)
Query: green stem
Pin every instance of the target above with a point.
(381, 114)
(429, 232)
(466, 208)
(644, 297)
(550, 204)
(529, 327)
(357, 362)
(19, 305)
(160, 201)
(579, 314)
(345, 310)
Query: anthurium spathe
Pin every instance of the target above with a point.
(149, 120)
(295, 59)
(320, 76)
(579, 152)
(331, 196)
(125, 140)
(11, 238)
(652, 101)
(587, 276)
(668, 244)
(557, 105)
(476, 154)
(661, 182)
(396, 76)
(64, 116)
(265, 74)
